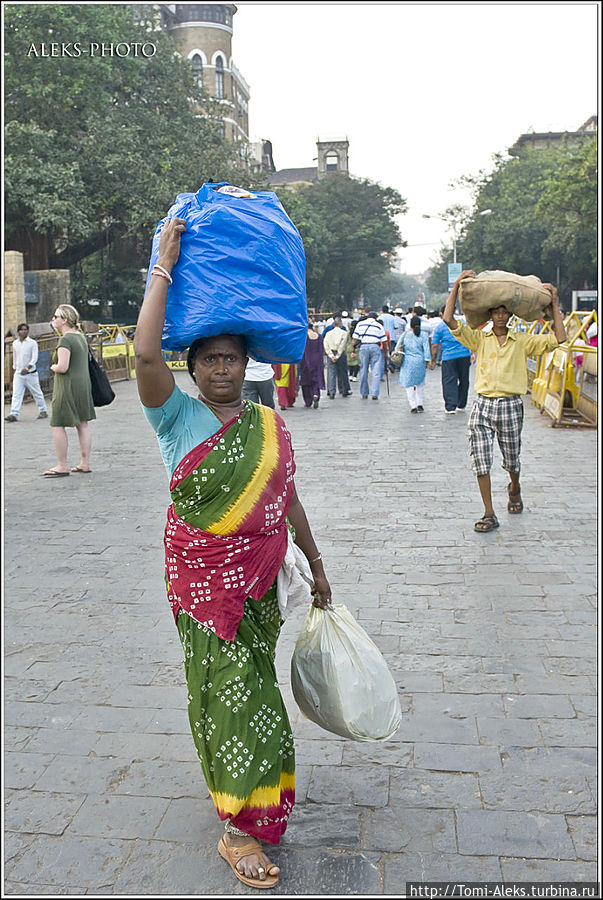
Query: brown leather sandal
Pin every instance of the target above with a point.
(486, 523)
(233, 855)
(514, 506)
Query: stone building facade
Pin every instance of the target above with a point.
(204, 35)
(534, 140)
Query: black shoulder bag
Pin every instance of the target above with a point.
(102, 392)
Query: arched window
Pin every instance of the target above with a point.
(197, 64)
(332, 161)
(219, 78)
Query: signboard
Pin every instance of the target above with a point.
(32, 287)
(454, 270)
(580, 300)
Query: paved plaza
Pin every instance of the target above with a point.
(491, 639)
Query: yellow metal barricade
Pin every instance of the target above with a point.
(118, 351)
(537, 365)
(561, 380)
(177, 365)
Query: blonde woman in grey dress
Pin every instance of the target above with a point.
(72, 405)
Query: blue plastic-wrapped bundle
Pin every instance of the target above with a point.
(241, 270)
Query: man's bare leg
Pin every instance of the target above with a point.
(485, 489)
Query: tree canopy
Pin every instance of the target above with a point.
(395, 289)
(542, 219)
(97, 145)
(350, 234)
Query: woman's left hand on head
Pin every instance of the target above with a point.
(169, 242)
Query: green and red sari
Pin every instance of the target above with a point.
(225, 540)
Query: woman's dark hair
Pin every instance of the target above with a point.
(415, 324)
(197, 345)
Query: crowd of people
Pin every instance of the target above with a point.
(367, 348)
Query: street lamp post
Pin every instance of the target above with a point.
(452, 225)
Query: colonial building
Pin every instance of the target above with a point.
(332, 159)
(534, 140)
(203, 32)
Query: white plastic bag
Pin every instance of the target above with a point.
(340, 679)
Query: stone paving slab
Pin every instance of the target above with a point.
(510, 833)
(429, 866)
(491, 640)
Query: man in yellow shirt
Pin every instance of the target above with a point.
(501, 377)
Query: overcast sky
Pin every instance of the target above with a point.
(425, 92)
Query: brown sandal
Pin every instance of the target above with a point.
(514, 506)
(486, 523)
(232, 855)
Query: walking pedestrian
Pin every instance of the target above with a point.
(368, 335)
(285, 378)
(334, 343)
(399, 326)
(312, 368)
(26, 378)
(259, 383)
(501, 378)
(231, 470)
(417, 356)
(72, 405)
(387, 320)
(352, 353)
(385, 347)
(435, 319)
(399, 329)
(456, 363)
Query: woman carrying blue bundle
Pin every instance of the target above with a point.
(231, 471)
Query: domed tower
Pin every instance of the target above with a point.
(204, 35)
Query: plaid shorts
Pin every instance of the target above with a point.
(500, 416)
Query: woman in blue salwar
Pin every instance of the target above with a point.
(417, 357)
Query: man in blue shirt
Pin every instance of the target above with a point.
(456, 362)
(388, 321)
